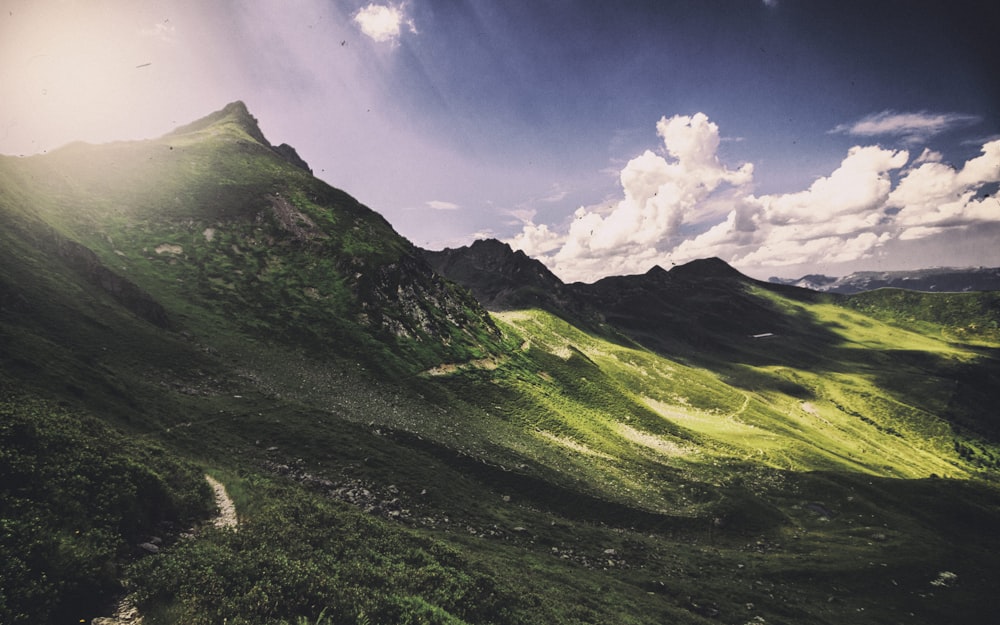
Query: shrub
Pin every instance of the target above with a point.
(74, 496)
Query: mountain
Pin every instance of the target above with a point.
(704, 308)
(458, 436)
(938, 279)
(251, 236)
(499, 277)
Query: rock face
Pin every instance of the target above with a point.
(288, 153)
(407, 299)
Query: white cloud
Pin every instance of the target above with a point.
(859, 185)
(770, 3)
(440, 205)
(832, 249)
(928, 156)
(911, 127)
(660, 196)
(383, 23)
(688, 205)
(920, 232)
(486, 233)
(934, 194)
(537, 241)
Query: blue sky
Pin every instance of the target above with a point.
(784, 136)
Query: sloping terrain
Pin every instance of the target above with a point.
(687, 446)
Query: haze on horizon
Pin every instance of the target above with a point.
(783, 136)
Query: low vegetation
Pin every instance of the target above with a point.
(77, 500)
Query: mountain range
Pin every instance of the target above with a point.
(937, 279)
(457, 436)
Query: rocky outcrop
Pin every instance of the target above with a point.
(288, 153)
(409, 300)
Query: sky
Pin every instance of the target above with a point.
(787, 137)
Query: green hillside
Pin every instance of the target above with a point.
(200, 304)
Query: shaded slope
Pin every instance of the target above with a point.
(703, 309)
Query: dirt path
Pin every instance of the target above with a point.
(227, 511)
(125, 612)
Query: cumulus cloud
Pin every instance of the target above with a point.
(935, 195)
(537, 240)
(683, 203)
(858, 186)
(383, 23)
(839, 217)
(928, 156)
(911, 127)
(662, 192)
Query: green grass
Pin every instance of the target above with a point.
(783, 417)
(965, 317)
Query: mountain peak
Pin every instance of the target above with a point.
(491, 246)
(235, 113)
(706, 268)
(497, 275)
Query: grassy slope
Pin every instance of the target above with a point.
(551, 478)
(248, 238)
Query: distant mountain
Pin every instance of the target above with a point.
(500, 278)
(704, 307)
(940, 280)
